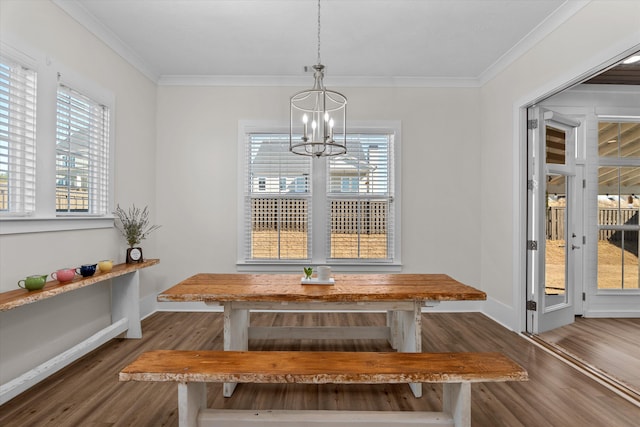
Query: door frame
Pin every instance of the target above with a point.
(598, 62)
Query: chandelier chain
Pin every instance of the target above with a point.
(318, 117)
(319, 32)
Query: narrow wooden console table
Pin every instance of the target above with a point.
(125, 318)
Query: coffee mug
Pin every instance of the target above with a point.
(87, 270)
(33, 283)
(105, 265)
(324, 272)
(64, 274)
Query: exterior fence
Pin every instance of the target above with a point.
(359, 216)
(606, 216)
(66, 201)
(283, 214)
(347, 216)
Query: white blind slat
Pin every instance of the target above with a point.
(17, 138)
(277, 194)
(359, 197)
(360, 193)
(82, 154)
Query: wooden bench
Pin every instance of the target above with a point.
(193, 369)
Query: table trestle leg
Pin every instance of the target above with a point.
(236, 336)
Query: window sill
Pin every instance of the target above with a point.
(618, 292)
(337, 267)
(22, 225)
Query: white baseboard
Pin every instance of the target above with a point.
(609, 313)
(505, 315)
(30, 378)
(148, 306)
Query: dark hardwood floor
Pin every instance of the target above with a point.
(88, 393)
(610, 345)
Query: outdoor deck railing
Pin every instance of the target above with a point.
(606, 216)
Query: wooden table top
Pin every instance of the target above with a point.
(19, 297)
(347, 288)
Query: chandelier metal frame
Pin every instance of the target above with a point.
(319, 115)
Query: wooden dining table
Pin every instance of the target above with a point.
(401, 296)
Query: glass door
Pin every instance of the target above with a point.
(554, 238)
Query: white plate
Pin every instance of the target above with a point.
(316, 281)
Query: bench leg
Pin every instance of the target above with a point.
(236, 336)
(192, 397)
(456, 400)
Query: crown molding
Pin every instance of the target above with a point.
(542, 30)
(77, 11)
(302, 81)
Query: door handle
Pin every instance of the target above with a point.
(573, 247)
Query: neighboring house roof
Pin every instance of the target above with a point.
(273, 159)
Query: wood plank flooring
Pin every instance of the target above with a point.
(88, 393)
(610, 345)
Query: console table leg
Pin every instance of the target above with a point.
(125, 302)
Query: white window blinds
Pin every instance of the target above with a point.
(17, 138)
(82, 154)
(345, 204)
(360, 197)
(277, 200)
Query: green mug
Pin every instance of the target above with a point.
(33, 283)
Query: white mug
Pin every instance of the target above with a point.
(324, 272)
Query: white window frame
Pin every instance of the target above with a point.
(45, 218)
(615, 162)
(318, 250)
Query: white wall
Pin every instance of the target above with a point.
(198, 168)
(459, 169)
(598, 32)
(34, 333)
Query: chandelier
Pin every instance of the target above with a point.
(318, 117)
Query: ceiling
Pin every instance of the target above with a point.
(454, 42)
(620, 74)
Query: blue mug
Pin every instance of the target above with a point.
(86, 270)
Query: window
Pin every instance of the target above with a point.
(277, 211)
(360, 195)
(55, 146)
(618, 205)
(17, 138)
(82, 154)
(298, 209)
